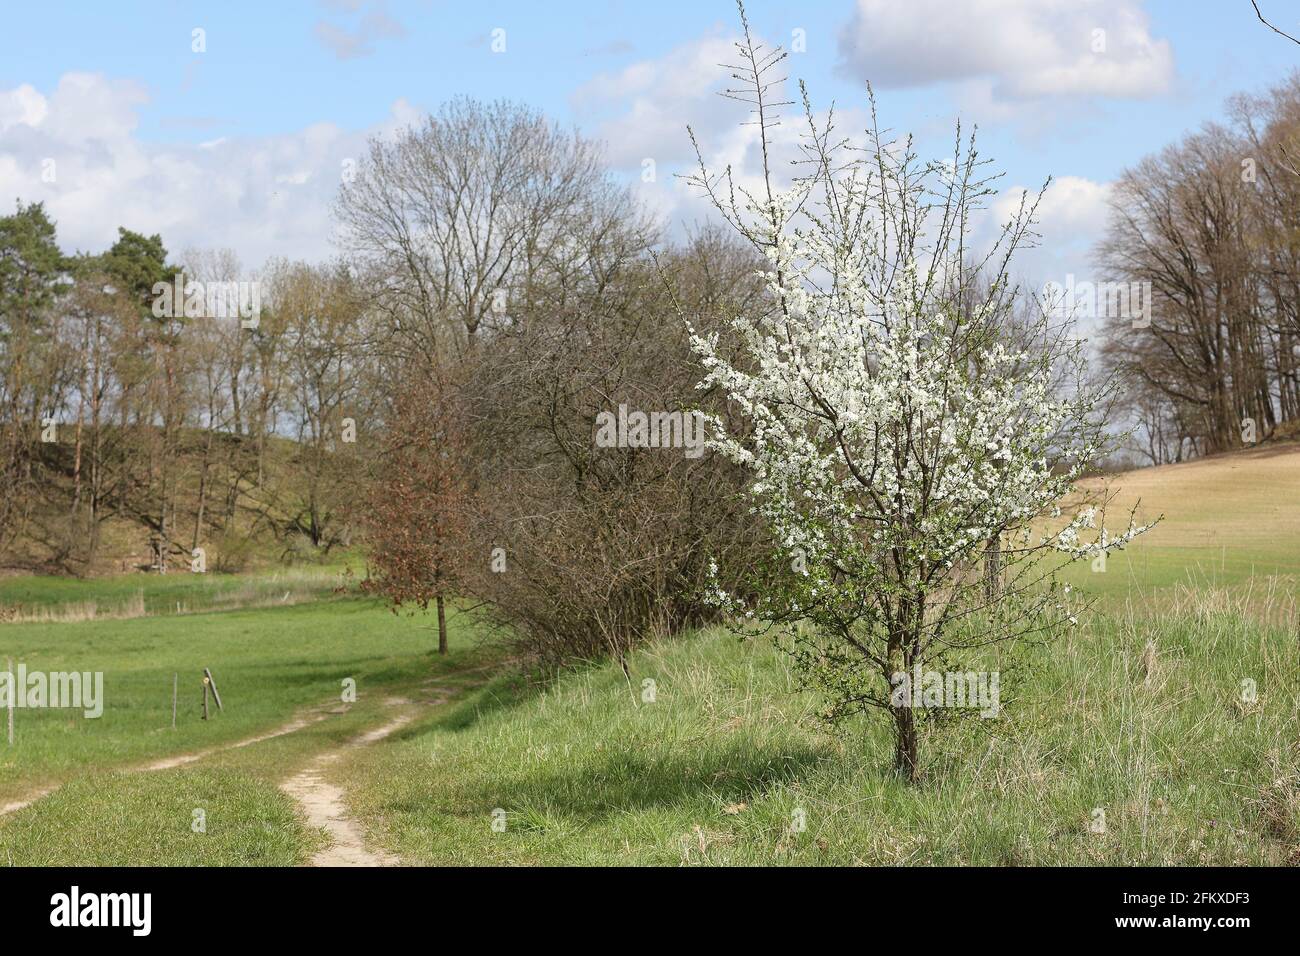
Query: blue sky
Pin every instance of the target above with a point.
(240, 145)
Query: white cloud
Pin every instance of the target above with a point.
(260, 196)
(340, 42)
(1022, 49)
(642, 110)
(1072, 218)
(641, 113)
(347, 44)
(1075, 204)
(86, 108)
(23, 105)
(1072, 206)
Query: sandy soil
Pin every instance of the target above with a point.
(322, 802)
(180, 760)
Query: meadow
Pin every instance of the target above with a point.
(1131, 741)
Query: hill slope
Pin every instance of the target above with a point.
(1226, 518)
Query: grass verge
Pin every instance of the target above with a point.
(1140, 718)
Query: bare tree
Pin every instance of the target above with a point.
(1211, 225)
(457, 221)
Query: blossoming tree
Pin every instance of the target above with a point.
(910, 433)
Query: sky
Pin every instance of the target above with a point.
(227, 125)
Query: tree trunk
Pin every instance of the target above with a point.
(905, 750)
(993, 569)
(163, 545)
(203, 486)
(905, 742)
(442, 626)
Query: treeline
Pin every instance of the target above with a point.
(164, 425)
(436, 388)
(1212, 223)
(436, 393)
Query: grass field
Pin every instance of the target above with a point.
(270, 664)
(1225, 521)
(1138, 716)
(38, 598)
(727, 764)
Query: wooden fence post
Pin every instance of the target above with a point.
(216, 695)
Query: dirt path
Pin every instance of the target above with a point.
(15, 805)
(180, 760)
(322, 802)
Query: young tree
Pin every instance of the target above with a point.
(895, 430)
(418, 501)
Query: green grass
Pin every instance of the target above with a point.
(133, 819)
(36, 597)
(1143, 570)
(718, 769)
(268, 663)
(1138, 713)
(715, 771)
(271, 664)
